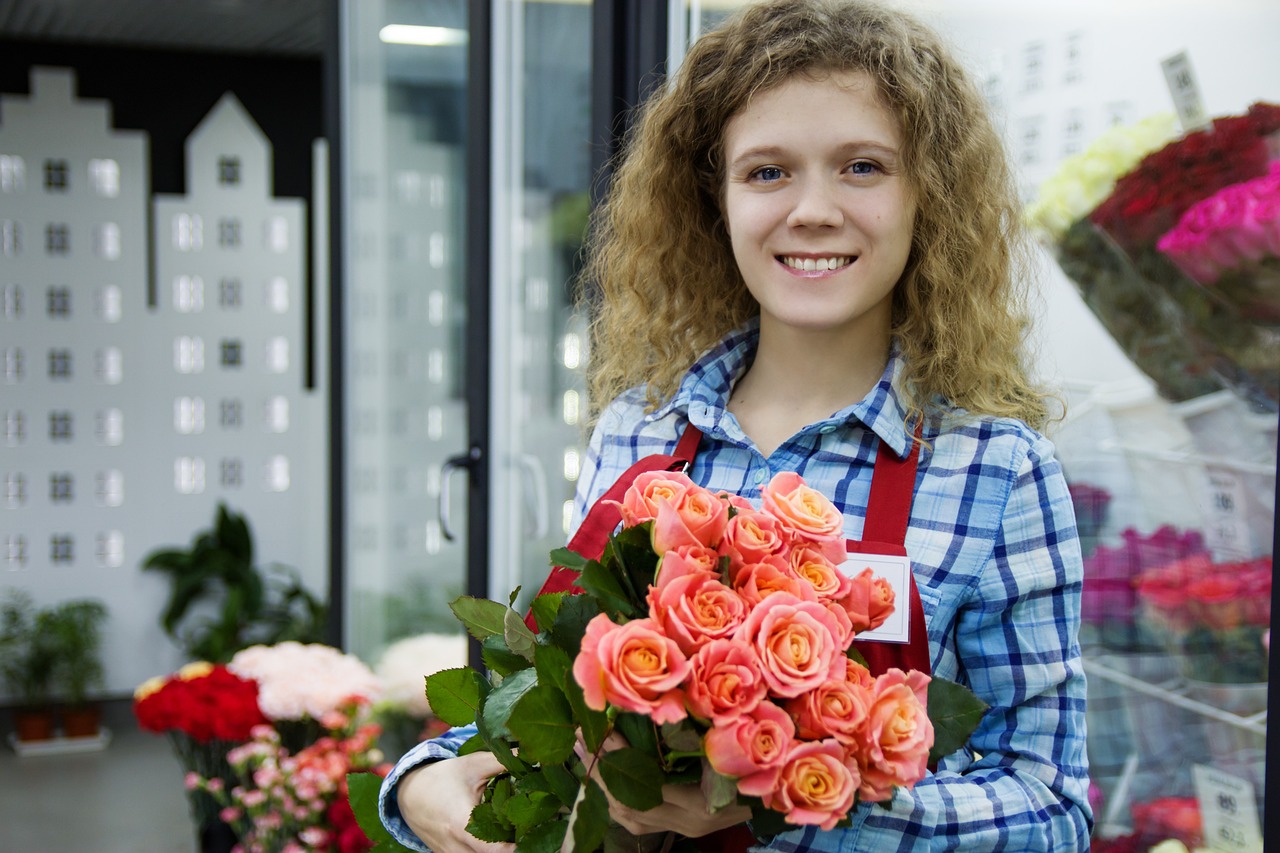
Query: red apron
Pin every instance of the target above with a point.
(884, 532)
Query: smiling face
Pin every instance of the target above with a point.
(818, 209)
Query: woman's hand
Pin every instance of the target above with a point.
(683, 810)
(436, 801)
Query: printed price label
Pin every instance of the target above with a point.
(1228, 810)
(897, 571)
(1227, 534)
(1185, 91)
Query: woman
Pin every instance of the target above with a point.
(810, 255)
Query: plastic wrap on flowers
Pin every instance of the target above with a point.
(1191, 340)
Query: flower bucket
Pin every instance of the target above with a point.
(33, 724)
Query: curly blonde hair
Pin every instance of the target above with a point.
(659, 251)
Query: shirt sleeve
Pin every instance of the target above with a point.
(1023, 785)
(444, 746)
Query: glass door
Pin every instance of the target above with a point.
(404, 312)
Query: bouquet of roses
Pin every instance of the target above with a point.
(716, 639)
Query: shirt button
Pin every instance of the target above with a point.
(828, 429)
(759, 475)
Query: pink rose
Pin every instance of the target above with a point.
(836, 709)
(695, 609)
(870, 601)
(804, 511)
(752, 536)
(725, 683)
(752, 748)
(756, 581)
(700, 519)
(641, 501)
(801, 644)
(813, 566)
(687, 560)
(817, 785)
(898, 734)
(634, 667)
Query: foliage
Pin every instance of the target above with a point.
(50, 652)
(76, 631)
(252, 606)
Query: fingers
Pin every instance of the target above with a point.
(436, 802)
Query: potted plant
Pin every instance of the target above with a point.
(248, 605)
(75, 629)
(26, 664)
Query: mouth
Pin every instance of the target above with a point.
(824, 264)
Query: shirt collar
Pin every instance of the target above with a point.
(703, 395)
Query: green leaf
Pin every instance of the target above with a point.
(856, 656)
(571, 622)
(766, 823)
(639, 731)
(486, 825)
(482, 617)
(527, 810)
(605, 587)
(475, 743)
(594, 724)
(500, 659)
(590, 818)
(553, 665)
(634, 777)
(562, 783)
(498, 707)
(362, 793)
(545, 607)
(517, 634)
(501, 749)
(568, 559)
(955, 712)
(454, 695)
(720, 790)
(682, 736)
(545, 838)
(637, 562)
(542, 722)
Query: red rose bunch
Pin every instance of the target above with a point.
(750, 619)
(1149, 200)
(202, 700)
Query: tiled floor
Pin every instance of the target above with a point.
(127, 798)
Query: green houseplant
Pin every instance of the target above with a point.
(220, 602)
(26, 664)
(75, 631)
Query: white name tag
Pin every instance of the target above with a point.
(897, 571)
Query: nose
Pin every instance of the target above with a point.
(815, 205)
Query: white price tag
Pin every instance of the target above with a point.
(1227, 533)
(1181, 80)
(897, 571)
(1228, 810)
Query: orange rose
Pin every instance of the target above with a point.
(800, 643)
(803, 510)
(634, 667)
(898, 734)
(726, 681)
(817, 785)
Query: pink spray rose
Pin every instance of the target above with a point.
(803, 510)
(757, 581)
(632, 666)
(699, 519)
(837, 709)
(817, 785)
(898, 734)
(695, 609)
(800, 643)
(726, 682)
(814, 567)
(640, 503)
(752, 536)
(752, 748)
(690, 559)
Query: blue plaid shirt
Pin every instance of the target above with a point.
(993, 545)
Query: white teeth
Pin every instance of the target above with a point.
(816, 264)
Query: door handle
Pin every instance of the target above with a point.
(463, 461)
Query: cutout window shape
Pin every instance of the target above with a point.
(188, 293)
(14, 364)
(231, 414)
(10, 238)
(13, 173)
(57, 239)
(62, 548)
(229, 233)
(277, 234)
(231, 473)
(188, 354)
(229, 293)
(277, 355)
(228, 170)
(278, 294)
(59, 364)
(277, 414)
(109, 365)
(15, 552)
(109, 303)
(62, 488)
(106, 241)
(188, 232)
(278, 474)
(109, 427)
(110, 488)
(12, 304)
(15, 428)
(58, 301)
(15, 490)
(104, 177)
(232, 353)
(61, 426)
(55, 175)
(188, 475)
(110, 549)
(188, 415)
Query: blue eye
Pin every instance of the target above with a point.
(863, 167)
(767, 173)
